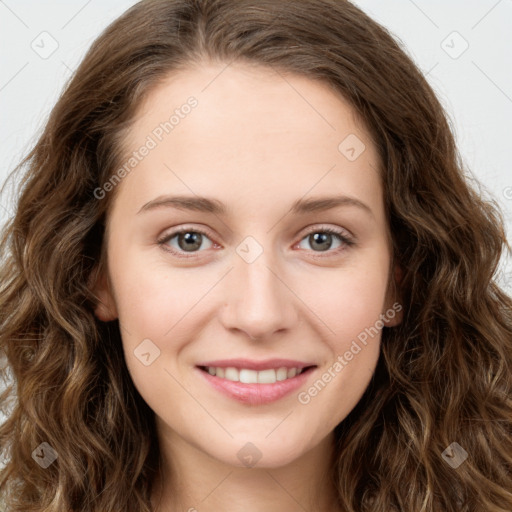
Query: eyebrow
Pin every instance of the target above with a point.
(216, 207)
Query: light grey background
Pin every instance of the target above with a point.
(474, 84)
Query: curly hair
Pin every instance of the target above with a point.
(444, 374)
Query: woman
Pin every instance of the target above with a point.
(245, 258)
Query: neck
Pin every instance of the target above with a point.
(190, 480)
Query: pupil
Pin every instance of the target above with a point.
(321, 239)
(192, 241)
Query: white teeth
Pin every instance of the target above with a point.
(247, 376)
(282, 373)
(292, 372)
(231, 374)
(265, 376)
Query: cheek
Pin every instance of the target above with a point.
(349, 300)
(154, 308)
(350, 303)
(151, 297)
(352, 312)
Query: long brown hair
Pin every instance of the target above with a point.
(444, 374)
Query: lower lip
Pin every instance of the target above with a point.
(257, 394)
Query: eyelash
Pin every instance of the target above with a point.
(346, 241)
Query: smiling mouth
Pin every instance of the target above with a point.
(247, 376)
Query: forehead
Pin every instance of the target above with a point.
(252, 132)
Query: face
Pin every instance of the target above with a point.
(266, 275)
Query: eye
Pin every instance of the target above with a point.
(187, 240)
(321, 240)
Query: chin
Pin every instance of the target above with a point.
(262, 453)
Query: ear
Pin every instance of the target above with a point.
(99, 283)
(393, 313)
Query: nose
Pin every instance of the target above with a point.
(258, 299)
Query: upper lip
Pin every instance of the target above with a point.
(256, 365)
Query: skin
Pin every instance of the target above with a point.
(257, 141)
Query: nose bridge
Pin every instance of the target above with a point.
(258, 302)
